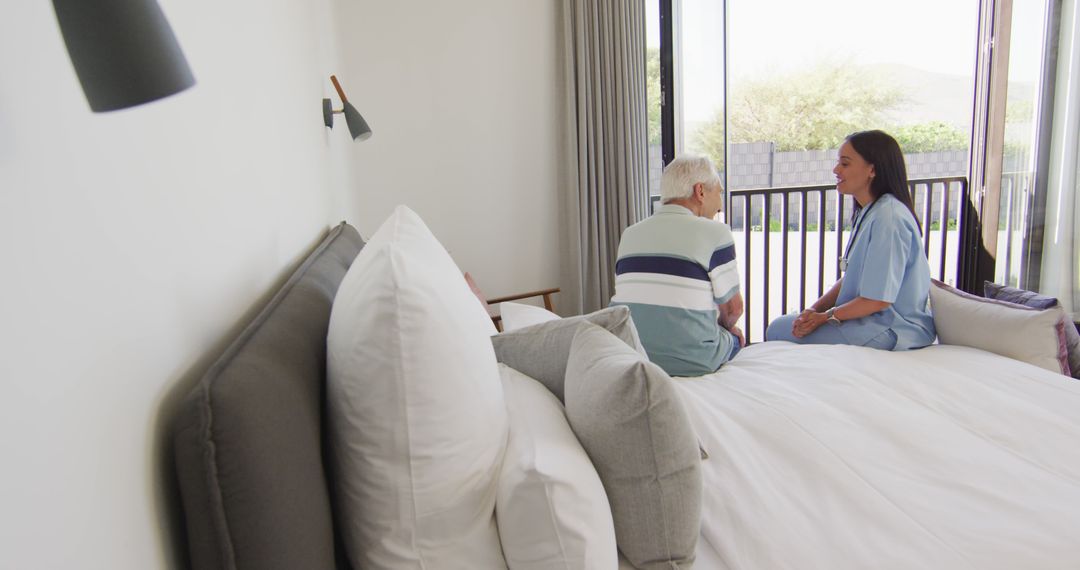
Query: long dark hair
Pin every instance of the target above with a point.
(890, 174)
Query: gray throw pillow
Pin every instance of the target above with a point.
(1018, 296)
(631, 421)
(540, 351)
(1036, 301)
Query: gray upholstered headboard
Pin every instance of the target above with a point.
(249, 437)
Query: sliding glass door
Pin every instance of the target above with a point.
(1025, 139)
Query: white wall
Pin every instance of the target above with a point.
(464, 99)
(133, 244)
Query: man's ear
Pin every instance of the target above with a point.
(699, 191)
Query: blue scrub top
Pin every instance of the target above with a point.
(885, 262)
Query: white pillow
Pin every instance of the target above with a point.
(517, 315)
(417, 421)
(1035, 336)
(551, 507)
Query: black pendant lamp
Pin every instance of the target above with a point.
(124, 51)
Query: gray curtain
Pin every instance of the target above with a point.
(607, 142)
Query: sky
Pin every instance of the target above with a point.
(769, 36)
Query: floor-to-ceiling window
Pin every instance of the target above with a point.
(806, 74)
(769, 88)
(800, 84)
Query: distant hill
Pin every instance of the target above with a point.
(937, 96)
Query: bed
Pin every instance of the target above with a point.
(846, 457)
(792, 456)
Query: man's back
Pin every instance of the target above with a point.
(673, 269)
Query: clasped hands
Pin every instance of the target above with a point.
(807, 322)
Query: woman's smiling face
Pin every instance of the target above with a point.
(853, 173)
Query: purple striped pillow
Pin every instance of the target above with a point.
(1018, 296)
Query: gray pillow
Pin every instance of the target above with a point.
(1036, 301)
(540, 351)
(631, 421)
(1019, 296)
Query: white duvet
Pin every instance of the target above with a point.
(838, 457)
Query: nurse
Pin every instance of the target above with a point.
(881, 299)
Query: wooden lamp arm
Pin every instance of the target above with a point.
(340, 91)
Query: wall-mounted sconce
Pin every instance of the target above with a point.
(358, 127)
(124, 51)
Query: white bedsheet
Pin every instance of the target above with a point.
(837, 457)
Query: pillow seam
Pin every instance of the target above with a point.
(401, 364)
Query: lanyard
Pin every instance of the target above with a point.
(855, 233)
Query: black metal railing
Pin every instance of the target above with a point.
(814, 221)
(1014, 215)
(817, 218)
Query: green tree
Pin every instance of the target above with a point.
(709, 140)
(929, 137)
(1019, 110)
(652, 93)
(812, 109)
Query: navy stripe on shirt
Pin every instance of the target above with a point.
(663, 265)
(722, 256)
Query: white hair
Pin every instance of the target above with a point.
(683, 173)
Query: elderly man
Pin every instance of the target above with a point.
(676, 271)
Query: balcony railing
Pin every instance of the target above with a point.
(789, 241)
(1015, 231)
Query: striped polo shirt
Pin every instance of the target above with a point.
(673, 269)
